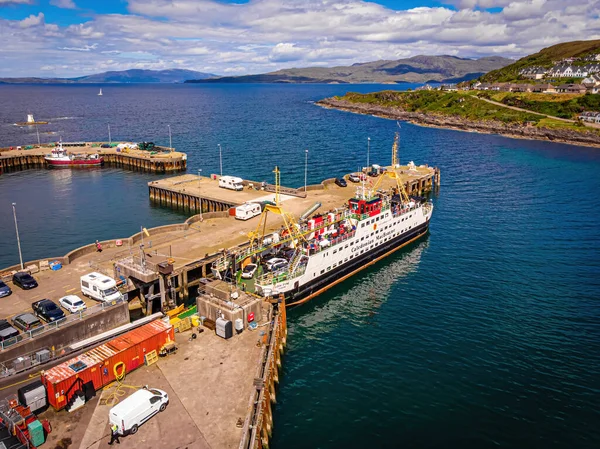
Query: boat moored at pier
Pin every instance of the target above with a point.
(326, 249)
(60, 158)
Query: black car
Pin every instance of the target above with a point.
(7, 331)
(373, 173)
(341, 182)
(47, 310)
(24, 280)
(4, 290)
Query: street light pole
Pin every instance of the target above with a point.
(305, 168)
(199, 181)
(220, 159)
(109, 139)
(170, 143)
(17, 230)
(368, 150)
(37, 131)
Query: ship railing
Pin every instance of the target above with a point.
(315, 248)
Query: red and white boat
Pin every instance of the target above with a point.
(60, 158)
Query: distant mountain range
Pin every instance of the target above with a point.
(124, 76)
(546, 57)
(418, 69)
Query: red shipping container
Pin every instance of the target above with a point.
(97, 365)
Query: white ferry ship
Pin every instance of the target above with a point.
(328, 248)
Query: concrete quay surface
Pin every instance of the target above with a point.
(208, 380)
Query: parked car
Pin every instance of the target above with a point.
(24, 280)
(341, 182)
(26, 321)
(7, 331)
(249, 270)
(4, 290)
(353, 177)
(129, 414)
(72, 303)
(47, 310)
(276, 263)
(373, 173)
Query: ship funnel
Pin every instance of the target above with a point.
(30, 118)
(310, 211)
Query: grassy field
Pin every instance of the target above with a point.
(468, 106)
(558, 105)
(448, 103)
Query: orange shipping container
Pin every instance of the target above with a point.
(97, 365)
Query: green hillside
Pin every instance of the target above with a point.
(544, 58)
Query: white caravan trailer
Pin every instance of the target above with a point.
(247, 211)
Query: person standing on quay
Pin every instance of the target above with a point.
(98, 246)
(114, 434)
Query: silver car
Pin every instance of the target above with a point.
(4, 290)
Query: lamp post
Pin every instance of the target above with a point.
(17, 230)
(368, 149)
(220, 159)
(37, 131)
(170, 143)
(305, 168)
(109, 139)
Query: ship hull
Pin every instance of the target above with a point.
(75, 163)
(308, 291)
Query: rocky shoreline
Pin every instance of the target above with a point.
(458, 123)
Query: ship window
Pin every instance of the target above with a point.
(328, 268)
(334, 251)
(346, 246)
(371, 235)
(322, 271)
(345, 260)
(362, 225)
(377, 218)
(334, 265)
(351, 243)
(362, 238)
(376, 232)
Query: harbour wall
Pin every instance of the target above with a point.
(35, 265)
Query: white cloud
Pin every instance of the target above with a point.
(66, 4)
(267, 35)
(15, 2)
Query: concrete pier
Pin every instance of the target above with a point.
(164, 160)
(222, 391)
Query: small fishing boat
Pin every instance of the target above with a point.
(60, 158)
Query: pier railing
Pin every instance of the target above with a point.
(39, 332)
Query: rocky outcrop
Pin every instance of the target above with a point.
(520, 131)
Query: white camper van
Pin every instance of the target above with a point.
(231, 183)
(247, 211)
(100, 287)
(129, 414)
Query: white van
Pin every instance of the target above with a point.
(100, 287)
(247, 211)
(231, 183)
(129, 414)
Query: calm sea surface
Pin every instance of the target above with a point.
(484, 334)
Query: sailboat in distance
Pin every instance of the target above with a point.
(100, 93)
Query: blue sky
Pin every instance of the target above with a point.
(77, 37)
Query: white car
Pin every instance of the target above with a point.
(249, 270)
(276, 263)
(354, 177)
(72, 303)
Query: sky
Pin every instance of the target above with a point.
(69, 38)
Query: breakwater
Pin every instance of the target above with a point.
(519, 131)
